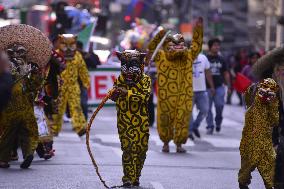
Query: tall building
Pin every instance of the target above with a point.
(225, 19)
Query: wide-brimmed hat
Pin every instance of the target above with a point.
(38, 46)
(264, 66)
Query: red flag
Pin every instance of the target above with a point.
(241, 83)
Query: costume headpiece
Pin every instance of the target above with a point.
(67, 45)
(27, 41)
(132, 65)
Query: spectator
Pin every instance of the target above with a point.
(247, 70)
(221, 76)
(90, 65)
(201, 73)
(240, 62)
(62, 22)
(92, 60)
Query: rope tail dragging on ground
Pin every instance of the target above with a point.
(131, 93)
(101, 105)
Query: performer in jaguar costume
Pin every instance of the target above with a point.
(174, 77)
(131, 96)
(272, 65)
(29, 51)
(70, 90)
(47, 105)
(256, 146)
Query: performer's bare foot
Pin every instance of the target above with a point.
(166, 148)
(4, 165)
(180, 149)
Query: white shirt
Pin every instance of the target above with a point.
(200, 64)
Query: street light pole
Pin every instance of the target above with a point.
(269, 6)
(279, 28)
(267, 32)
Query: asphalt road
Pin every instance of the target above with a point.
(211, 162)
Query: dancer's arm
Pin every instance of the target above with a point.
(154, 43)
(197, 40)
(145, 90)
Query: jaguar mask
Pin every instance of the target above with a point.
(17, 55)
(67, 46)
(267, 90)
(132, 65)
(175, 47)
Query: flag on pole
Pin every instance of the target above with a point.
(85, 35)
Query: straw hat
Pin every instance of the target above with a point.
(37, 44)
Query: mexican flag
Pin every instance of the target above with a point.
(85, 35)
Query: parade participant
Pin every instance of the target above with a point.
(174, 78)
(47, 105)
(272, 65)
(131, 96)
(29, 51)
(70, 90)
(256, 148)
(247, 70)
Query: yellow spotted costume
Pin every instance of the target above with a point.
(175, 88)
(133, 126)
(17, 122)
(70, 94)
(256, 148)
(29, 52)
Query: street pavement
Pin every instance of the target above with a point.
(211, 162)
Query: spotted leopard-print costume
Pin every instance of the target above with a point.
(17, 120)
(174, 78)
(70, 94)
(256, 147)
(133, 126)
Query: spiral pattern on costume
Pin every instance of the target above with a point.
(133, 126)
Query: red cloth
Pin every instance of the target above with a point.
(241, 83)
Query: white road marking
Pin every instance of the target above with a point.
(108, 138)
(112, 138)
(63, 136)
(117, 151)
(157, 140)
(157, 185)
(112, 119)
(223, 142)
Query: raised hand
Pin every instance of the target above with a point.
(198, 22)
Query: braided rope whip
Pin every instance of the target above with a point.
(88, 137)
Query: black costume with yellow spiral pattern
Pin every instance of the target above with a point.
(133, 126)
